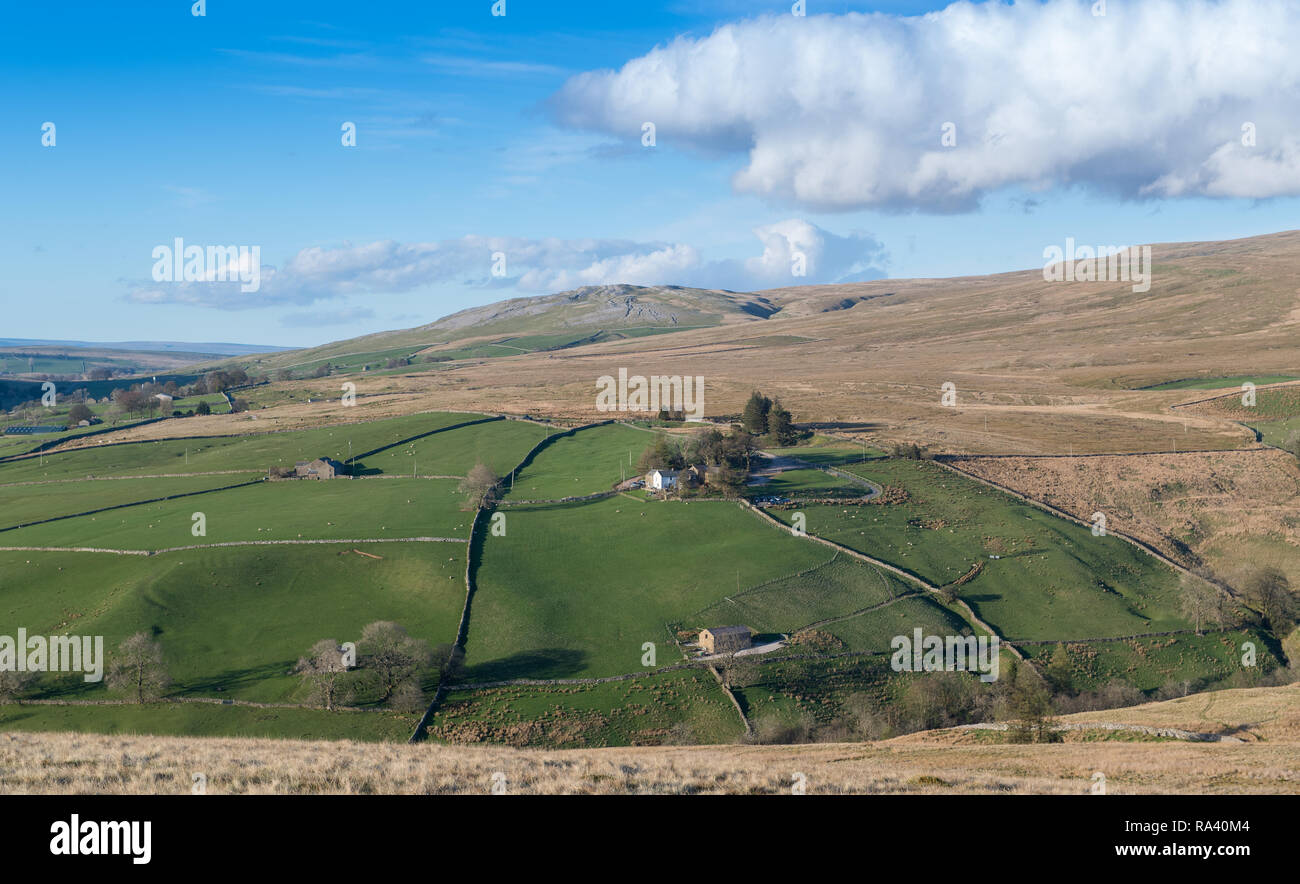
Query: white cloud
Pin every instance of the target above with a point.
(846, 112)
(533, 266)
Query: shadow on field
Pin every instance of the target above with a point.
(215, 685)
(541, 663)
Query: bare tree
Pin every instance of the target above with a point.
(1201, 602)
(79, 412)
(479, 484)
(138, 668)
(1268, 591)
(14, 684)
(408, 697)
(395, 657)
(322, 670)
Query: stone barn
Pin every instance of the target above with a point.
(320, 468)
(725, 639)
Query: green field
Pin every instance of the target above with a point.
(1277, 432)
(582, 462)
(815, 692)
(305, 509)
(232, 622)
(257, 452)
(672, 707)
(1151, 663)
(833, 588)
(208, 720)
(807, 483)
(1220, 383)
(575, 589)
(562, 590)
(21, 504)
(1052, 578)
(501, 445)
(876, 630)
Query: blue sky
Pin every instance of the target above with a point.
(478, 134)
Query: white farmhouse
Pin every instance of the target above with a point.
(661, 480)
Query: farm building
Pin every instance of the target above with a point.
(320, 468)
(661, 480)
(725, 639)
(164, 402)
(697, 474)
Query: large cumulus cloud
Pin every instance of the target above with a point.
(846, 112)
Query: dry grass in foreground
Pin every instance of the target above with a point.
(63, 763)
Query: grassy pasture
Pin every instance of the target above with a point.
(806, 483)
(1276, 432)
(1221, 383)
(518, 344)
(574, 590)
(569, 590)
(500, 445)
(338, 509)
(814, 691)
(1053, 578)
(256, 452)
(20, 504)
(1275, 404)
(585, 462)
(209, 720)
(232, 622)
(1149, 663)
(874, 631)
(684, 706)
(833, 588)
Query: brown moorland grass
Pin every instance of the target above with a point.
(1040, 367)
(64, 763)
(1232, 512)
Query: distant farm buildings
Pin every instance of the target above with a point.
(320, 468)
(667, 480)
(31, 431)
(725, 639)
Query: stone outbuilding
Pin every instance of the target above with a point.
(320, 468)
(725, 639)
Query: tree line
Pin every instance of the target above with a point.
(390, 668)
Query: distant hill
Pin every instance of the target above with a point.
(584, 315)
(202, 349)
